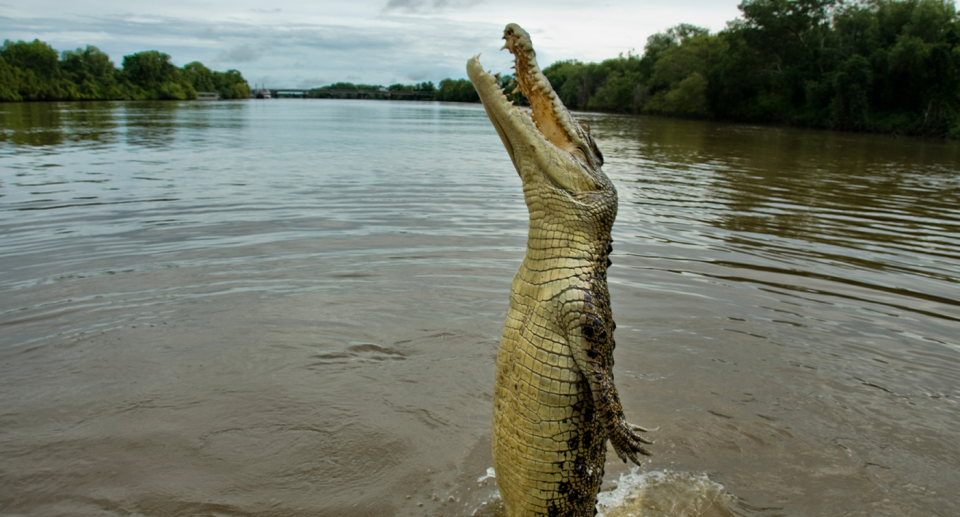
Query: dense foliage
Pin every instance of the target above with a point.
(871, 65)
(36, 72)
(874, 65)
(417, 91)
(457, 90)
(462, 90)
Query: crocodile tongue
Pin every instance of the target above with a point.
(561, 148)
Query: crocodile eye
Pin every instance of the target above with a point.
(596, 151)
(585, 127)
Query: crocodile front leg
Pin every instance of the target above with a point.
(590, 326)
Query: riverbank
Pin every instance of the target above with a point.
(35, 71)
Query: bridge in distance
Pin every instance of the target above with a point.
(297, 92)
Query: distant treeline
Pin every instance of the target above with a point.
(424, 90)
(870, 65)
(450, 90)
(36, 72)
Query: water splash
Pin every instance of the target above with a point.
(675, 494)
(490, 475)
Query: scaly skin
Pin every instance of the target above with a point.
(555, 404)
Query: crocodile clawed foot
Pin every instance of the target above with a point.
(627, 442)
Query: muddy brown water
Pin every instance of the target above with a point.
(292, 307)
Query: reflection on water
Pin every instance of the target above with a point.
(95, 122)
(292, 308)
(147, 124)
(29, 123)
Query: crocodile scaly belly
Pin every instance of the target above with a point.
(548, 444)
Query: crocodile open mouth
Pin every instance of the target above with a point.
(561, 147)
(547, 112)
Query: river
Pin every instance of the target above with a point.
(292, 307)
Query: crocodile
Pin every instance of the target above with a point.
(555, 403)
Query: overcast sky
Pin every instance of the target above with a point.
(301, 44)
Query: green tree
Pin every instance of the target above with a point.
(457, 90)
(739, 88)
(560, 74)
(581, 81)
(35, 72)
(622, 91)
(9, 82)
(426, 87)
(794, 39)
(150, 75)
(91, 74)
(231, 85)
(35, 68)
(851, 85)
(679, 82)
(924, 63)
(199, 76)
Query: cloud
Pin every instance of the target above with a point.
(143, 19)
(241, 54)
(209, 34)
(267, 11)
(384, 48)
(421, 6)
(365, 41)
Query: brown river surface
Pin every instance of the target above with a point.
(292, 308)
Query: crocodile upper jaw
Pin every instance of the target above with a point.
(563, 151)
